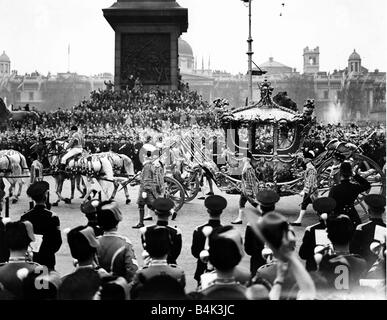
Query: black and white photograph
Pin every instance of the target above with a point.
(192, 154)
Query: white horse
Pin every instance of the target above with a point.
(89, 167)
(13, 166)
(122, 164)
(93, 167)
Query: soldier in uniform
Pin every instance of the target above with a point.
(347, 192)
(83, 246)
(365, 233)
(46, 226)
(253, 245)
(215, 205)
(18, 236)
(115, 252)
(324, 208)
(225, 253)
(340, 232)
(158, 245)
(163, 209)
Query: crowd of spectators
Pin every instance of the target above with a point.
(106, 267)
(117, 120)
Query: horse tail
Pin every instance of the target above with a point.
(128, 164)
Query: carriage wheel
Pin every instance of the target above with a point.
(174, 191)
(368, 169)
(193, 187)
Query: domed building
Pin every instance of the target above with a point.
(186, 57)
(274, 67)
(5, 65)
(354, 63)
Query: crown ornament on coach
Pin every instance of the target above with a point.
(266, 91)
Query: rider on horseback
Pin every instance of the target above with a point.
(74, 147)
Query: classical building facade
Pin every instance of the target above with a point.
(46, 92)
(351, 94)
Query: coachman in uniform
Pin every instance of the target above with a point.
(151, 187)
(324, 208)
(347, 192)
(367, 233)
(215, 205)
(46, 226)
(163, 209)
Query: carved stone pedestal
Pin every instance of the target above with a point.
(146, 41)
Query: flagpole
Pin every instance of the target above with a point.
(68, 59)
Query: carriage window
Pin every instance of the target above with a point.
(286, 136)
(264, 139)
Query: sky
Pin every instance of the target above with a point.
(36, 34)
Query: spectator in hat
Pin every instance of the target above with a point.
(46, 226)
(158, 245)
(215, 205)
(324, 207)
(340, 231)
(18, 236)
(346, 192)
(82, 284)
(309, 192)
(372, 230)
(163, 208)
(225, 253)
(253, 245)
(115, 252)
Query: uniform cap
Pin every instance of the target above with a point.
(75, 128)
(37, 189)
(376, 201)
(163, 206)
(267, 197)
(215, 203)
(324, 205)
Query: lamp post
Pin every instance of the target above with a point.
(250, 55)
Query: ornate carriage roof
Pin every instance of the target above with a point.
(264, 111)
